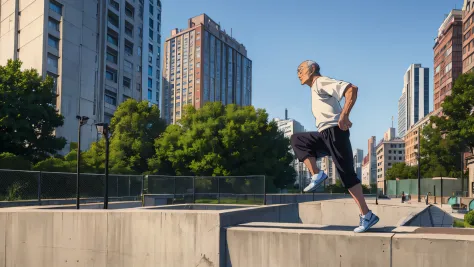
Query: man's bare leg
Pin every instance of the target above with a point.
(311, 165)
(358, 196)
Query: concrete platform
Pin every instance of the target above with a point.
(204, 235)
(279, 245)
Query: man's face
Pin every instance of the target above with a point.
(304, 73)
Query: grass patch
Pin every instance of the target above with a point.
(230, 201)
(461, 224)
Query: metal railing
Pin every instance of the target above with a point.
(39, 185)
(209, 189)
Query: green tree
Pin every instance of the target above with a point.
(28, 116)
(457, 122)
(438, 152)
(219, 140)
(134, 127)
(13, 162)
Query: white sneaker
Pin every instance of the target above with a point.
(316, 181)
(366, 222)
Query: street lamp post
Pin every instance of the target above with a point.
(103, 129)
(419, 163)
(82, 121)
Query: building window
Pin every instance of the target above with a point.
(114, 4)
(150, 95)
(55, 81)
(112, 38)
(150, 21)
(110, 98)
(111, 75)
(128, 48)
(128, 29)
(56, 7)
(53, 24)
(151, 8)
(52, 60)
(129, 10)
(126, 82)
(150, 83)
(139, 87)
(125, 98)
(128, 64)
(113, 19)
(111, 56)
(150, 33)
(150, 48)
(157, 74)
(53, 41)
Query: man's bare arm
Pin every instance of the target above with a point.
(351, 97)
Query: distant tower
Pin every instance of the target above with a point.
(286, 114)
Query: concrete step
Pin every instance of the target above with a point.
(301, 245)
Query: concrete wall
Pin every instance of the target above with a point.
(162, 199)
(133, 237)
(343, 213)
(47, 202)
(275, 245)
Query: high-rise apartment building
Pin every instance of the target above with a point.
(329, 167)
(369, 164)
(468, 36)
(289, 127)
(447, 56)
(203, 64)
(390, 150)
(95, 51)
(414, 102)
(358, 158)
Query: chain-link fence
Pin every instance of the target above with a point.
(209, 189)
(35, 185)
(434, 186)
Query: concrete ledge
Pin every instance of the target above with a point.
(433, 250)
(274, 247)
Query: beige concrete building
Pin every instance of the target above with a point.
(329, 167)
(204, 64)
(289, 127)
(366, 171)
(411, 138)
(390, 150)
(95, 51)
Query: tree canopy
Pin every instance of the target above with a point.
(28, 116)
(219, 140)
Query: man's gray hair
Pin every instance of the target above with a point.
(309, 64)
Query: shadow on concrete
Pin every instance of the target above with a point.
(386, 229)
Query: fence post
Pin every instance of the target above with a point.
(129, 193)
(174, 189)
(143, 184)
(434, 190)
(39, 188)
(194, 189)
(264, 190)
(218, 190)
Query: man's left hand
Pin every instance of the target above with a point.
(344, 122)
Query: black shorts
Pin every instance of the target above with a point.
(332, 142)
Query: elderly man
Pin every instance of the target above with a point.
(332, 138)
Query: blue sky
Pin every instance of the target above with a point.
(370, 43)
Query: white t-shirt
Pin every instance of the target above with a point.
(325, 94)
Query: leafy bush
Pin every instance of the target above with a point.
(469, 217)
